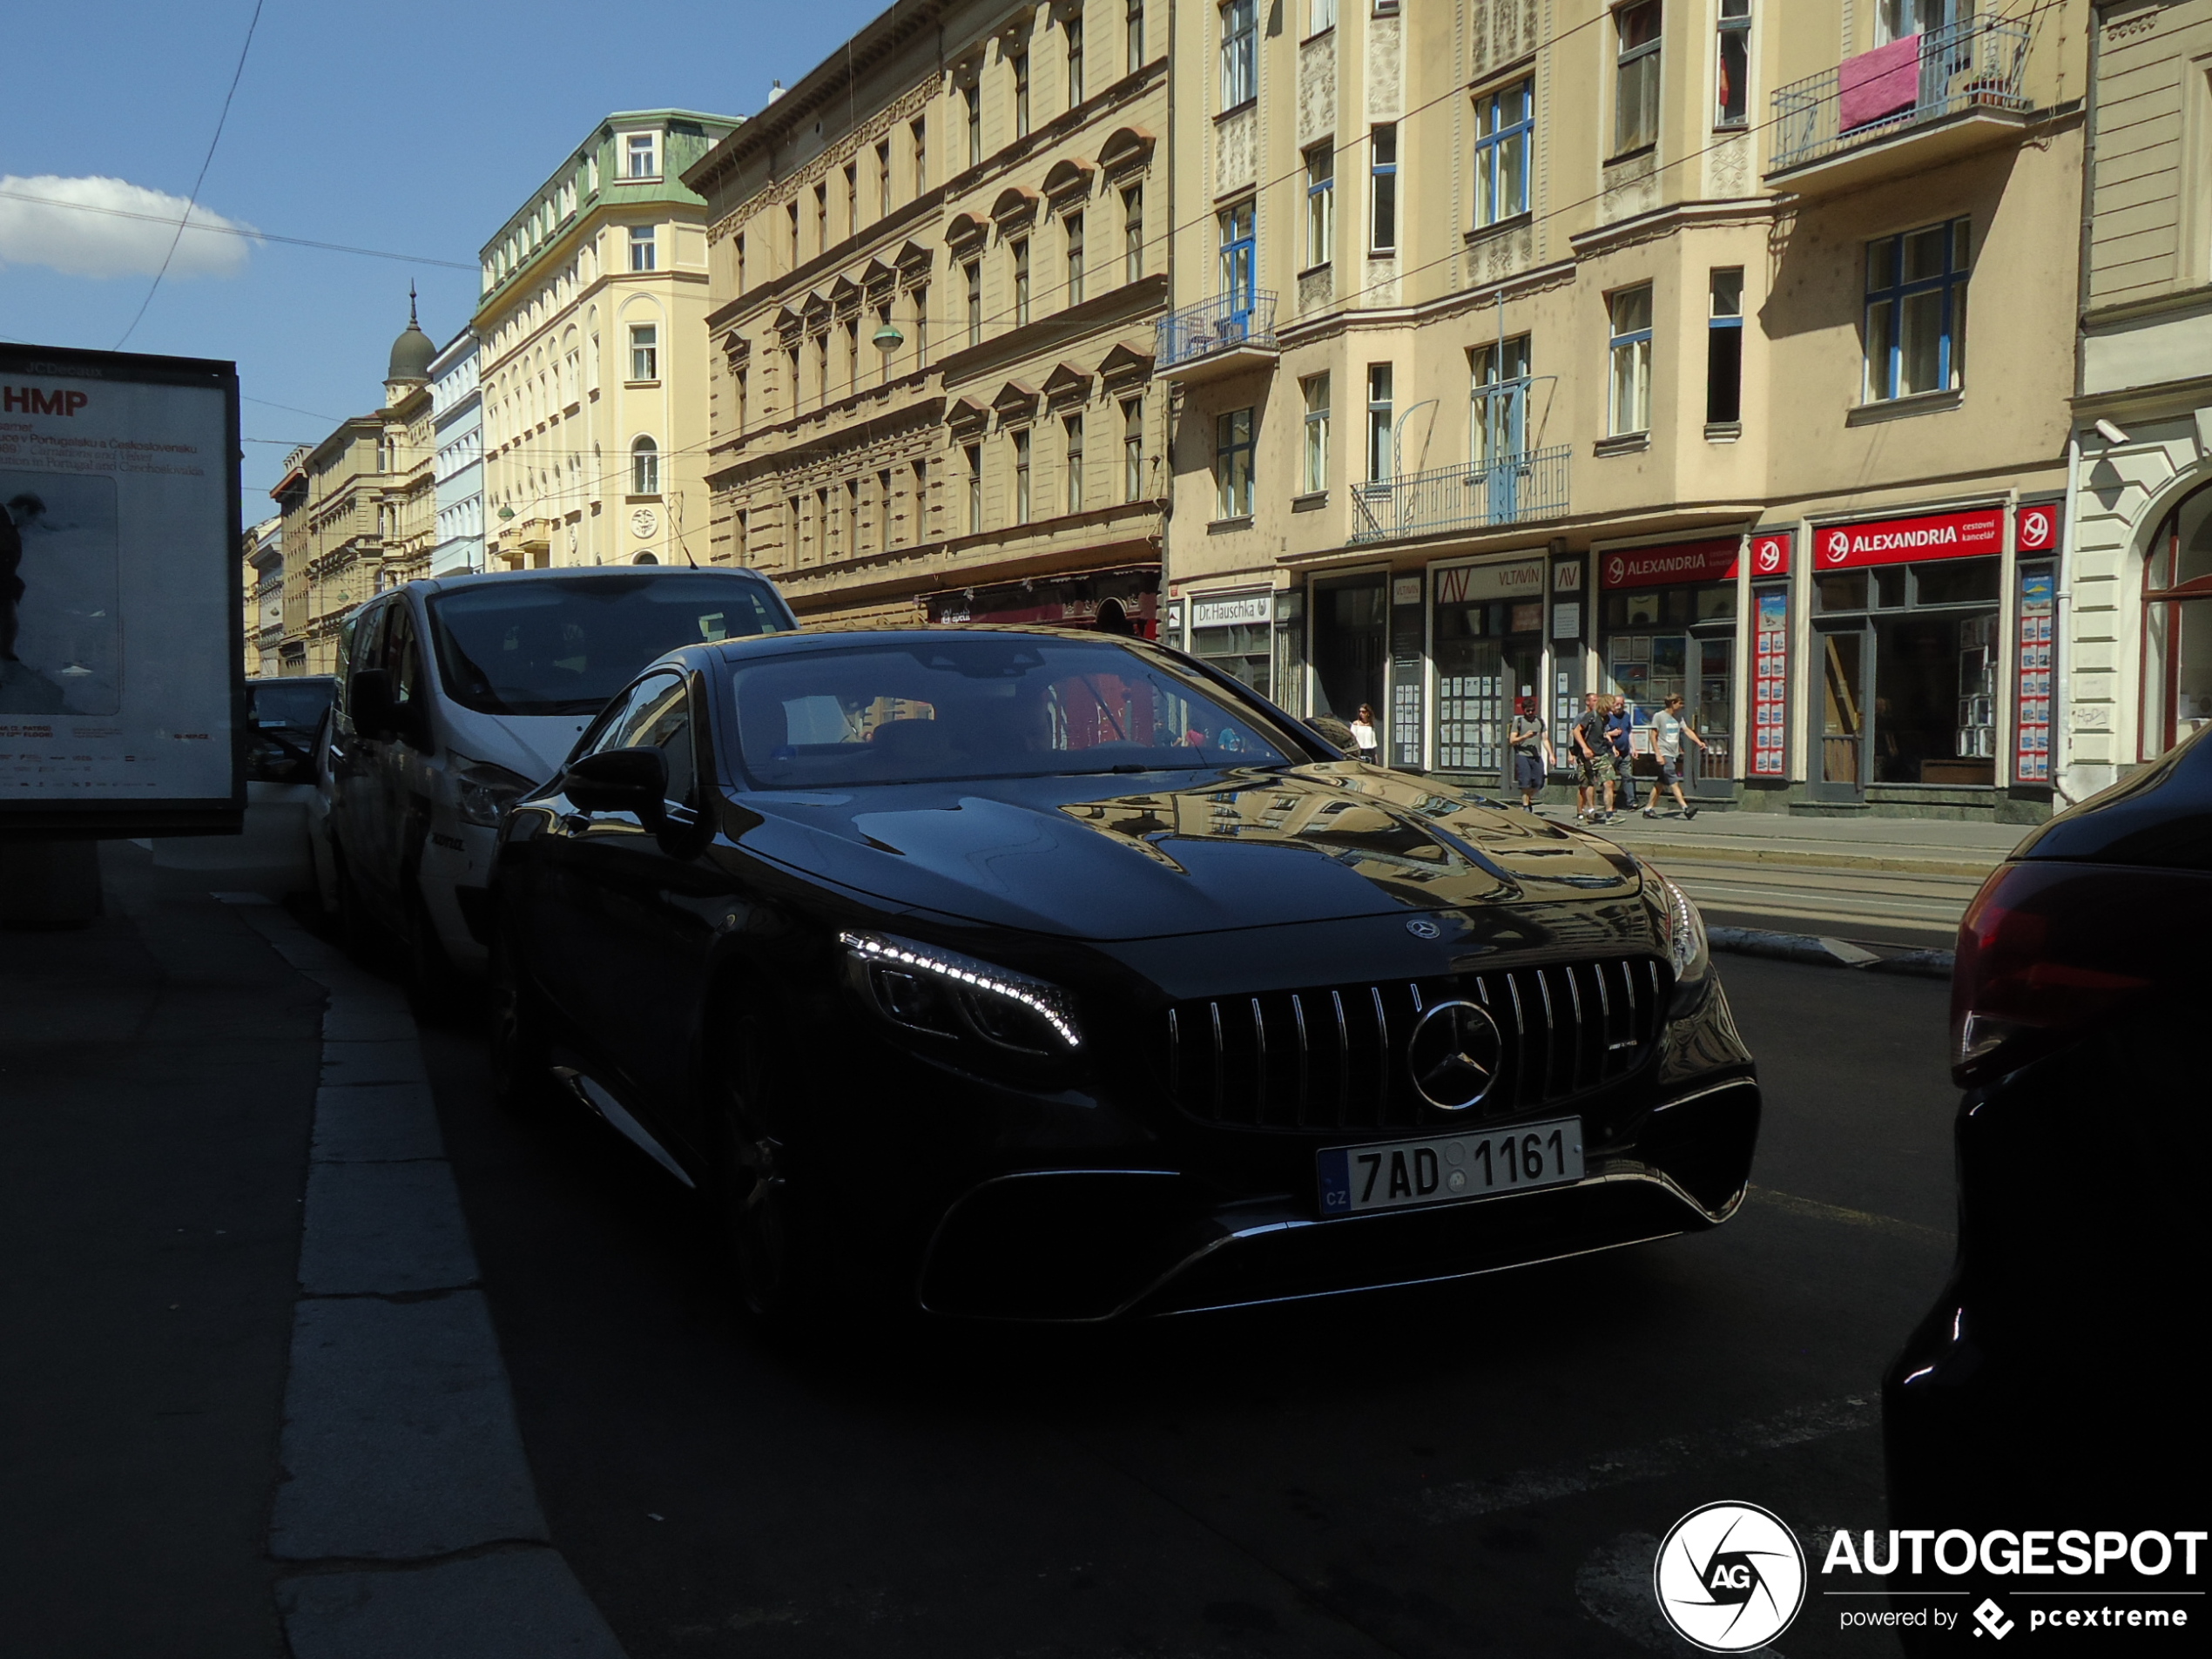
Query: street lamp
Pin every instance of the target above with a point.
(887, 337)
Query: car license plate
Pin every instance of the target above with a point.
(1395, 1174)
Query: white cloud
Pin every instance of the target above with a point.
(127, 235)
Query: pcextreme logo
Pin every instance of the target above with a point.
(1730, 1577)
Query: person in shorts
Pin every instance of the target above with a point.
(1620, 731)
(1532, 752)
(1669, 728)
(1593, 756)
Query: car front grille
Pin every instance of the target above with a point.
(1335, 1057)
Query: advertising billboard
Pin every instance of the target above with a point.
(121, 638)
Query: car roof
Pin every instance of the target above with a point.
(810, 637)
(432, 585)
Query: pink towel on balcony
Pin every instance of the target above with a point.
(1878, 82)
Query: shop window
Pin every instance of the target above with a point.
(1239, 650)
(1504, 130)
(1382, 189)
(1239, 52)
(1725, 348)
(1232, 467)
(1630, 350)
(1316, 390)
(1321, 204)
(1489, 655)
(2177, 626)
(1732, 89)
(1635, 78)
(1916, 312)
(1907, 692)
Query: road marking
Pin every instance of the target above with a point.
(1819, 1211)
(1464, 1499)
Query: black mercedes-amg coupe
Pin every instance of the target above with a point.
(1042, 974)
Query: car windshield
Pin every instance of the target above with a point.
(546, 645)
(982, 706)
(298, 703)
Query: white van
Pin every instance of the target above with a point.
(457, 695)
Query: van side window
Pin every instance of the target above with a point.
(369, 645)
(404, 653)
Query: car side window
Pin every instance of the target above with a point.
(615, 723)
(658, 715)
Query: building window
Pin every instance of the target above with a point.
(1385, 8)
(1020, 282)
(737, 396)
(1020, 435)
(852, 198)
(883, 509)
(641, 155)
(883, 179)
(1380, 377)
(921, 499)
(1499, 420)
(1320, 15)
(1072, 427)
(1382, 163)
(1232, 464)
(645, 467)
(832, 530)
(1725, 348)
(973, 453)
(1635, 78)
(792, 532)
(797, 392)
(645, 352)
(1630, 312)
(1504, 125)
(1239, 53)
(1916, 311)
(1134, 26)
(852, 354)
(882, 323)
(1236, 257)
(920, 131)
(2177, 626)
(1321, 204)
(1019, 63)
(1074, 225)
(1132, 449)
(738, 252)
(1732, 88)
(853, 515)
(642, 249)
(1072, 31)
(790, 211)
(1132, 232)
(972, 96)
(821, 218)
(821, 369)
(1316, 387)
(972, 274)
(922, 325)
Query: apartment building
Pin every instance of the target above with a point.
(263, 550)
(936, 264)
(457, 442)
(592, 353)
(2133, 670)
(358, 511)
(1521, 350)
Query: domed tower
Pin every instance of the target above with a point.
(411, 354)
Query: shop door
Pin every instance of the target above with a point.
(1844, 707)
(1349, 644)
(1713, 707)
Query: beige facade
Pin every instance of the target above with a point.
(261, 549)
(1527, 350)
(2135, 665)
(935, 265)
(593, 355)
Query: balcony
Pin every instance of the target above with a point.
(1914, 103)
(1216, 338)
(1476, 495)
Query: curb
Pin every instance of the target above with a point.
(1787, 858)
(1821, 952)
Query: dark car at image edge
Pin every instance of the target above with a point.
(1037, 975)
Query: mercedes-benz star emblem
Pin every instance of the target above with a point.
(1421, 928)
(1454, 1055)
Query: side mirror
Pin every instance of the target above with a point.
(375, 714)
(620, 780)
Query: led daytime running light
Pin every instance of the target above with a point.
(1037, 998)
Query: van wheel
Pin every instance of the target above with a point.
(521, 1058)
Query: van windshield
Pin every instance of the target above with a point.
(547, 645)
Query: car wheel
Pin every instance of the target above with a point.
(522, 1057)
(769, 1225)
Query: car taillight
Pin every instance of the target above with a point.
(2048, 950)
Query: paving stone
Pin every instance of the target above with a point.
(383, 1229)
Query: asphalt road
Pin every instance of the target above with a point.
(1477, 1469)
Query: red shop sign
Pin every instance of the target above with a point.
(1978, 534)
(2038, 532)
(1771, 553)
(1652, 567)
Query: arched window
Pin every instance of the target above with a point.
(2177, 625)
(645, 467)
(644, 558)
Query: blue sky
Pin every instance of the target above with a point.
(408, 126)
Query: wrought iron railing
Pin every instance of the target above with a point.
(1224, 323)
(1979, 64)
(1471, 496)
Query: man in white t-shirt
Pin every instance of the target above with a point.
(1669, 728)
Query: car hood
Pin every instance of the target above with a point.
(530, 746)
(1087, 858)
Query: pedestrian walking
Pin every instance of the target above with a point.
(1620, 731)
(1594, 757)
(1363, 734)
(1532, 752)
(1669, 728)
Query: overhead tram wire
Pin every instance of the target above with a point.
(206, 161)
(233, 230)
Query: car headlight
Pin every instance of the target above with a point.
(1684, 927)
(926, 988)
(482, 791)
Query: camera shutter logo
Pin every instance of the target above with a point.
(1730, 1577)
(1455, 1054)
